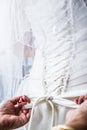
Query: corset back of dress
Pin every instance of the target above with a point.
(60, 27)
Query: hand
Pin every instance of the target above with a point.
(12, 115)
(77, 118)
(81, 99)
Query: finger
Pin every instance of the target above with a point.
(76, 100)
(20, 99)
(20, 105)
(26, 99)
(85, 103)
(26, 111)
(86, 96)
(81, 100)
(15, 100)
(83, 106)
(24, 117)
(28, 116)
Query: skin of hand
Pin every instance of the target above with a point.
(12, 115)
(81, 99)
(77, 118)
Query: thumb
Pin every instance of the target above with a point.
(83, 106)
(84, 103)
(19, 105)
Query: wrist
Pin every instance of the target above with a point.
(76, 125)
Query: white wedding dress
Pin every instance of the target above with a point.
(59, 70)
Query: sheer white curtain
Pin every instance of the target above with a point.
(5, 70)
(17, 48)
